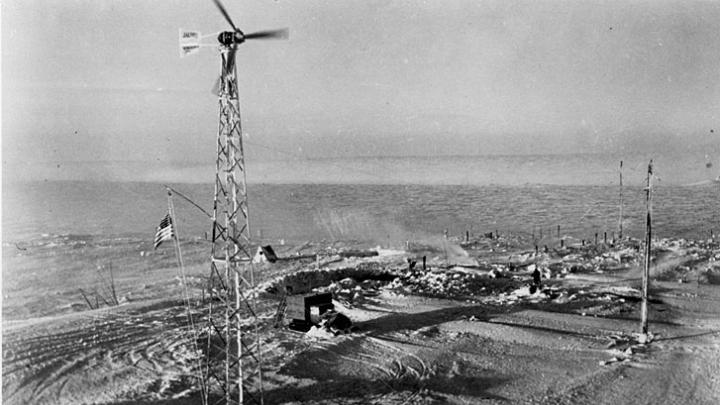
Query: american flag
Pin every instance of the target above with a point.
(164, 231)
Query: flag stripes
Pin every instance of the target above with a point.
(165, 231)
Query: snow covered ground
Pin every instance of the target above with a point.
(467, 329)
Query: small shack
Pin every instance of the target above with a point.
(265, 254)
(305, 310)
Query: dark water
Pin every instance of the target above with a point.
(373, 213)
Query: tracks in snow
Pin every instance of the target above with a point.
(100, 357)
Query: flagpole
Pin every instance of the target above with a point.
(176, 240)
(186, 296)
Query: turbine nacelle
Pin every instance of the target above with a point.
(231, 38)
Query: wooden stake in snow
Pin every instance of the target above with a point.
(648, 246)
(621, 201)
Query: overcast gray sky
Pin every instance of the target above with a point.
(102, 80)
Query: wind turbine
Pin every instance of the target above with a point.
(233, 357)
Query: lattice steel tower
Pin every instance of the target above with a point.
(227, 360)
(233, 357)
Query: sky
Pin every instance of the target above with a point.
(102, 80)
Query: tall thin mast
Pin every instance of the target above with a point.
(648, 247)
(621, 201)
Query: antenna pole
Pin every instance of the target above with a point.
(648, 247)
(621, 202)
(233, 358)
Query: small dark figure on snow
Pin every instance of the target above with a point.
(536, 281)
(536, 277)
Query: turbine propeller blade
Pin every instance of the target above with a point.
(283, 33)
(225, 14)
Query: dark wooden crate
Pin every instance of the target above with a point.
(299, 306)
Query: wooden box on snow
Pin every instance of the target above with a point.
(307, 308)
